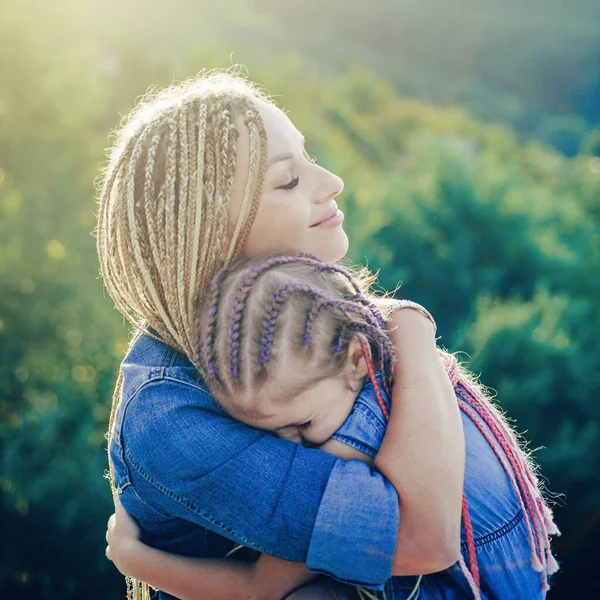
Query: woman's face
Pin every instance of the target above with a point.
(297, 210)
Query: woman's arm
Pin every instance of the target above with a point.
(303, 505)
(423, 453)
(269, 578)
(187, 578)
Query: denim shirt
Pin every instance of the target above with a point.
(199, 483)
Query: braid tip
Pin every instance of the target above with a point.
(536, 564)
(553, 565)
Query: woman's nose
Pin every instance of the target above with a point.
(331, 186)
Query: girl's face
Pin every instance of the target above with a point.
(294, 407)
(297, 210)
(311, 416)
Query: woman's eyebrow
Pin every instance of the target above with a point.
(280, 158)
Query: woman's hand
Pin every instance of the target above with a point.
(122, 537)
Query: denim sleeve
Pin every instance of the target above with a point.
(189, 460)
(365, 426)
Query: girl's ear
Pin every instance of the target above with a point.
(356, 363)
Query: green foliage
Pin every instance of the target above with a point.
(499, 238)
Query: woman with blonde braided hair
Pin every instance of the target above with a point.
(200, 175)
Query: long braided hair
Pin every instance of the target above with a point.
(162, 229)
(263, 312)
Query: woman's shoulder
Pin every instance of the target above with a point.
(159, 385)
(150, 360)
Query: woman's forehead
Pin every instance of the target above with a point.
(282, 135)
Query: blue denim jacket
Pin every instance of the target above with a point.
(199, 483)
(501, 539)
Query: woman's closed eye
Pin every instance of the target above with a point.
(291, 185)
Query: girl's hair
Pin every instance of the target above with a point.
(163, 205)
(265, 311)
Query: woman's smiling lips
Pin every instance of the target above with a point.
(331, 218)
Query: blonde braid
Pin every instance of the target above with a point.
(171, 208)
(154, 254)
(221, 157)
(182, 276)
(247, 192)
(262, 170)
(198, 222)
(244, 224)
(211, 249)
(140, 243)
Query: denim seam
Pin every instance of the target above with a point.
(142, 501)
(168, 358)
(167, 377)
(494, 535)
(372, 420)
(153, 376)
(188, 504)
(126, 401)
(353, 582)
(159, 375)
(355, 444)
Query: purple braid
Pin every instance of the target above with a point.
(277, 301)
(369, 312)
(315, 310)
(309, 259)
(358, 296)
(239, 302)
(339, 346)
(211, 326)
(372, 326)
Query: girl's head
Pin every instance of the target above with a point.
(286, 341)
(200, 174)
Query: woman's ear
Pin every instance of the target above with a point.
(356, 363)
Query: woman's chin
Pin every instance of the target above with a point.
(336, 249)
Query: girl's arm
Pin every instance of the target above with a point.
(423, 451)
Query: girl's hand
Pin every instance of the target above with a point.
(122, 536)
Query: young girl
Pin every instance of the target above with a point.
(287, 344)
(199, 175)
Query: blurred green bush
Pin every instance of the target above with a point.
(499, 238)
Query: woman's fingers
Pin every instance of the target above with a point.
(121, 525)
(109, 527)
